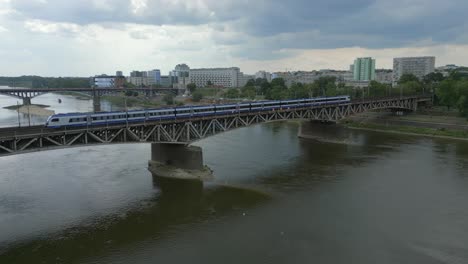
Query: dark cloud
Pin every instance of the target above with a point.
(261, 28)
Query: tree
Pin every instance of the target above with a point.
(411, 87)
(191, 87)
(278, 82)
(260, 81)
(277, 93)
(446, 93)
(232, 93)
(377, 89)
(265, 87)
(250, 82)
(197, 96)
(209, 83)
(169, 99)
(433, 77)
(298, 90)
(407, 77)
(248, 92)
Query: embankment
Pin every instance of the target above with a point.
(413, 124)
(37, 110)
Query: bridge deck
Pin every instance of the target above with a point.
(15, 140)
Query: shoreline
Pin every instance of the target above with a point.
(34, 110)
(405, 133)
(407, 130)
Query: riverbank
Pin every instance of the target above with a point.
(414, 124)
(135, 102)
(36, 109)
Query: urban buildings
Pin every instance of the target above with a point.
(364, 69)
(154, 77)
(263, 75)
(181, 76)
(418, 66)
(223, 77)
(384, 76)
(138, 78)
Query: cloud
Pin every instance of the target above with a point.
(153, 33)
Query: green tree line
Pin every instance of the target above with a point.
(45, 82)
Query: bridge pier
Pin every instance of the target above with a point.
(26, 100)
(96, 101)
(177, 164)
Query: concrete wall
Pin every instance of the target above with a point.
(178, 155)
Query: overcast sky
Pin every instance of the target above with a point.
(88, 37)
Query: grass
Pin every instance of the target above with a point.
(410, 130)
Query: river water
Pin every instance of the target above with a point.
(359, 197)
(69, 103)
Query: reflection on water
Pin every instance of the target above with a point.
(158, 217)
(68, 104)
(382, 198)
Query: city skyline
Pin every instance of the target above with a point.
(49, 38)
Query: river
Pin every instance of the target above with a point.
(363, 197)
(69, 103)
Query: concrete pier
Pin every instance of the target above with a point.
(178, 162)
(96, 101)
(27, 101)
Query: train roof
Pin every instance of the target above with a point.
(192, 106)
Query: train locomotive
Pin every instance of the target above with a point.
(183, 112)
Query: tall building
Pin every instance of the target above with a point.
(224, 77)
(364, 69)
(154, 77)
(138, 78)
(418, 66)
(119, 73)
(181, 74)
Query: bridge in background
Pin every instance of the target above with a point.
(183, 131)
(27, 94)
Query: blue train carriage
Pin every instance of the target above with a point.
(138, 116)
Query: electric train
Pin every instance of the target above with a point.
(183, 112)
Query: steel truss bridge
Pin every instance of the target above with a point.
(20, 140)
(27, 94)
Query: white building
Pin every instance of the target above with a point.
(181, 75)
(263, 75)
(418, 66)
(224, 77)
(384, 76)
(103, 81)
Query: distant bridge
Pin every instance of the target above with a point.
(27, 94)
(15, 140)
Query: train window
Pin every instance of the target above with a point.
(54, 120)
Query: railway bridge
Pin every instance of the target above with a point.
(183, 131)
(172, 160)
(27, 94)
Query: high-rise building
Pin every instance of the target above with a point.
(418, 66)
(119, 73)
(154, 77)
(224, 77)
(364, 69)
(181, 75)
